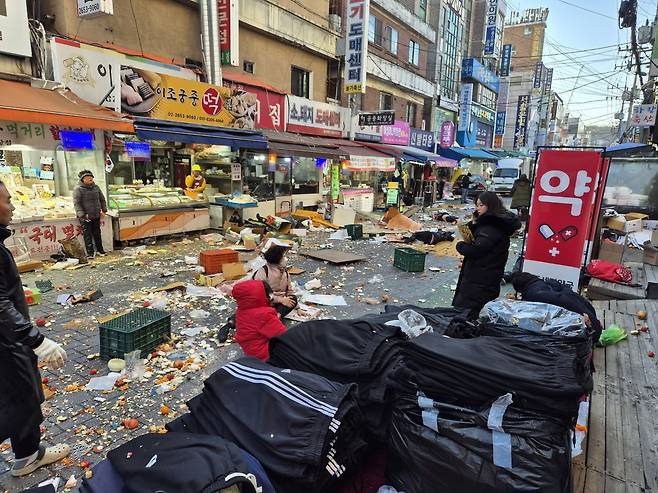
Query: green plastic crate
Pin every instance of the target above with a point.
(141, 329)
(409, 260)
(355, 231)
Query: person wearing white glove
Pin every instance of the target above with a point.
(51, 353)
(21, 344)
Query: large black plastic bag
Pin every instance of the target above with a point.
(459, 457)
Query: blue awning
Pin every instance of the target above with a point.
(149, 129)
(459, 153)
(420, 155)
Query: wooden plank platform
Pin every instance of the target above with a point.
(604, 290)
(652, 281)
(621, 453)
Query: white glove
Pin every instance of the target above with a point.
(51, 353)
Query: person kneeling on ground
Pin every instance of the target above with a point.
(256, 320)
(275, 273)
(533, 288)
(430, 237)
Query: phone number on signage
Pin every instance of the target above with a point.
(89, 9)
(190, 117)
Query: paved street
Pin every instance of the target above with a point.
(91, 420)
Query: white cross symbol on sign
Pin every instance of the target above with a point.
(554, 252)
(567, 233)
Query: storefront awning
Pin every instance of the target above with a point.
(421, 156)
(290, 144)
(363, 158)
(149, 129)
(459, 153)
(20, 102)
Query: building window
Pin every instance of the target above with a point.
(527, 31)
(248, 66)
(452, 38)
(385, 101)
(414, 52)
(375, 28)
(300, 84)
(392, 40)
(412, 109)
(422, 9)
(305, 176)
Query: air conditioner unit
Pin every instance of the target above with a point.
(335, 22)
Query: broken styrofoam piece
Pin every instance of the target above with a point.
(103, 383)
(313, 284)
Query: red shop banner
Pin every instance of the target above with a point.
(562, 210)
(270, 106)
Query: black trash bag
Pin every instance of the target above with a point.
(460, 456)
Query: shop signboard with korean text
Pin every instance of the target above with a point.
(93, 73)
(371, 163)
(377, 118)
(447, 135)
(465, 102)
(500, 122)
(163, 97)
(397, 134)
(549, 79)
(506, 61)
(270, 106)
(644, 115)
(229, 34)
(315, 117)
(562, 209)
(490, 24)
(421, 139)
(472, 69)
(356, 45)
(40, 135)
(539, 69)
(367, 133)
(521, 126)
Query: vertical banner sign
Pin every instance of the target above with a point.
(500, 122)
(506, 61)
(562, 207)
(539, 68)
(447, 138)
(229, 31)
(549, 79)
(356, 49)
(491, 19)
(521, 127)
(465, 103)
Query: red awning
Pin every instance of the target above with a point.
(248, 80)
(21, 102)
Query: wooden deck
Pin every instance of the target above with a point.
(604, 290)
(621, 453)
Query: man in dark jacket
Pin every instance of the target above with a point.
(465, 185)
(90, 207)
(485, 258)
(21, 343)
(533, 288)
(521, 194)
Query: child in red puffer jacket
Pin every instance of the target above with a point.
(256, 321)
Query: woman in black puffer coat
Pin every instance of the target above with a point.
(485, 258)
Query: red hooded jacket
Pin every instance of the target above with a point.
(256, 321)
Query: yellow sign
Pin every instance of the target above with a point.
(164, 97)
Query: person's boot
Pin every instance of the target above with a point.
(45, 456)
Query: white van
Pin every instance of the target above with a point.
(506, 173)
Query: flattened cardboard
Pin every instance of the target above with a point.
(295, 271)
(233, 271)
(333, 256)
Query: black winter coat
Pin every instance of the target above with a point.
(554, 293)
(21, 394)
(484, 260)
(89, 201)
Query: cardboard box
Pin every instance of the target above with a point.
(611, 252)
(634, 221)
(616, 222)
(232, 226)
(233, 271)
(211, 281)
(650, 254)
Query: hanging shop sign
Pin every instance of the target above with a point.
(539, 68)
(138, 150)
(472, 69)
(484, 135)
(483, 113)
(88, 9)
(14, 28)
(549, 79)
(229, 33)
(93, 74)
(270, 106)
(316, 118)
(236, 171)
(500, 122)
(465, 103)
(371, 163)
(447, 134)
(490, 25)
(644, 115)
(38, 135)
(356, 46)
(506, 61)
(397, 134)
(421, 139)
(377, 118)
(521, 127)
(367, 133)
(562, 207)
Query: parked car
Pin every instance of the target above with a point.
(478, 185)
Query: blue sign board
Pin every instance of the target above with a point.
(490, 40)
(500, 122)
(472, 69)
(421, 139)
(138, 150)
(506, 61)
(72, 140)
